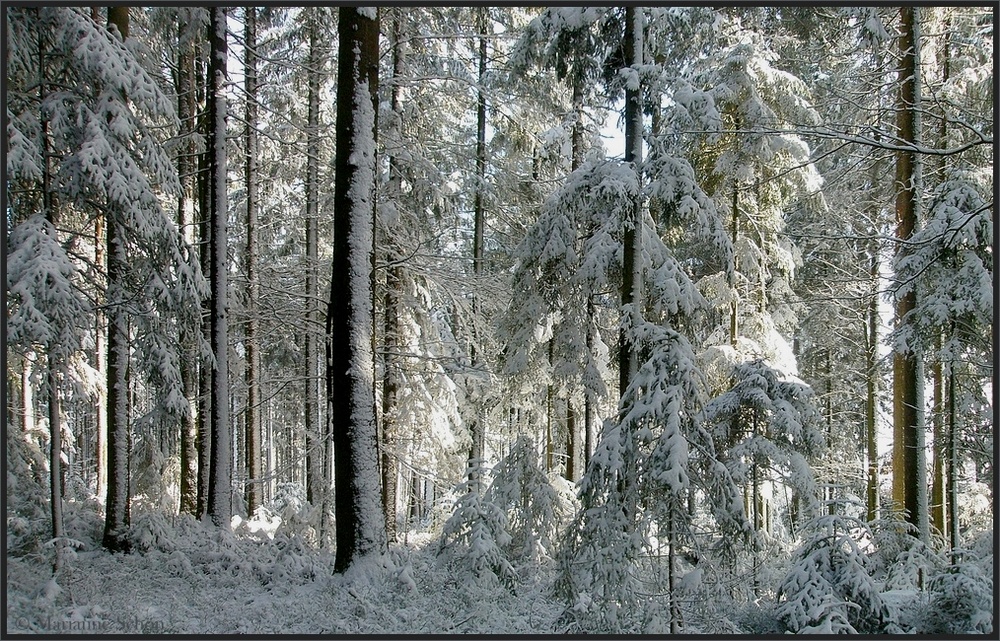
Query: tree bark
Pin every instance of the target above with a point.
(393, 288)
(52, 365)
(252, 367)
(117, 509)
(938, 465)
(907, 475)
(478, 429)
(871, 383)
(186, 108)
(350, 358)
(204, 419)
(628, 362)
(220, 507)
(314, 435)
(952, 446)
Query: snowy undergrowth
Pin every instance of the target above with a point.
(187, 577)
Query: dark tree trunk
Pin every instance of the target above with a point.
(204, 440)
(117, 505)
(478, 429)
(252, 368)
(220, 507)
(907, 475)
(871, 376)
(393, 288)
(350, 358)
(628, 361)
(315, 449)
(55, 411)
(186, 107)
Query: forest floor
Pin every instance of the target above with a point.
(188, 577)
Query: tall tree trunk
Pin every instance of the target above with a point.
(314, 440)
(576, 160)
(908, 477)
(734, 233)
(571, 472)
(55, 465)
(936, 504)
(204, 419)
(52, 365)
(478, 429)
(549, 412)
(101, 362)
(252, 367)
(952, 447)
(628, 362)
(393, 288)
(350, 326)
(589, 399)
(220, 507)
(186, 221)
(871, 383)
(940, 515)
(117, 509)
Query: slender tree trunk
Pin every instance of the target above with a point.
(939, 452)
(55, 465)
(252, 367)
(220, 507)
(940, 514)
(570, 441)
(350, 326)
(185, 217)
(589, 398)
(735, 234)
(314, 441)
(117, 516)
(27, 396)
(55, 422)
(628, 362)
(908, 477)
(871, 384)
(204, 419)
(549, 411)
(576, 160)
(955, 538)
(393, 288)
(478, 429)
(101, 362)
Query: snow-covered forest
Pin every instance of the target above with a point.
(499, 320)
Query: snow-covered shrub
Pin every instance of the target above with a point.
(152, 531)
(526, 495)
(156, 482)
(902, 561)
(961, 594)
(601, 547)
(28, 521)
(829, 588)
(476, 534)
(298, 517)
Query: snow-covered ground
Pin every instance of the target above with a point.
(192, 578)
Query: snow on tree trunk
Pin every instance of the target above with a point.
(117, 509)
(185, 219)
(350, 359)
(314, 438)
(220, 507)
(907, 473)
(252, 371)
(393, 290)
(476, 451)
(628, 361)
